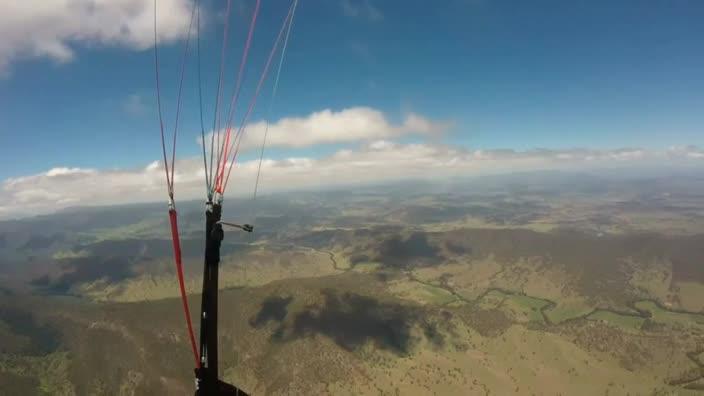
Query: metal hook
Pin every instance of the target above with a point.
(244, 227)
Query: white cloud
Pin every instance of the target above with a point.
(376, 161)
(327, 126)
(361, 9)
(153, 166)
(381, 145)
(691, 152)
(52, 28)
(67, 171)
(627, 154)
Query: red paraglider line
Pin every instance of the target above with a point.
(218, 95)
(179, 272)
(224, 154)
(176, 242)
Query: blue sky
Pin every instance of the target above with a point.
(507, 74)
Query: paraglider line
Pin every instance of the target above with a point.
(223, 185)
(271, 105)
(158, 101)
(180, 91)
(200, 105)
(238, 86)
(216, 116)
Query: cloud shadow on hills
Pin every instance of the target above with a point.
(80, 270)
(431, 333)
(44, 338)
(399, 252)
(358, 258)
(36, 242)
(114, 261)
(274, 308)
(457, 248)
(350, 320)
(153, 248)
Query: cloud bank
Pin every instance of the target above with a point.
(373, 162)
(52, 28)
(327, 126)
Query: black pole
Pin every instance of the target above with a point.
(207, 376)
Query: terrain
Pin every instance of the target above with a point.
(536, 283)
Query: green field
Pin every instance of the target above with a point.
(519, 307)
(366, 267)
(566, 310)
(670, 318)
(626, 322)
(422, 293)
